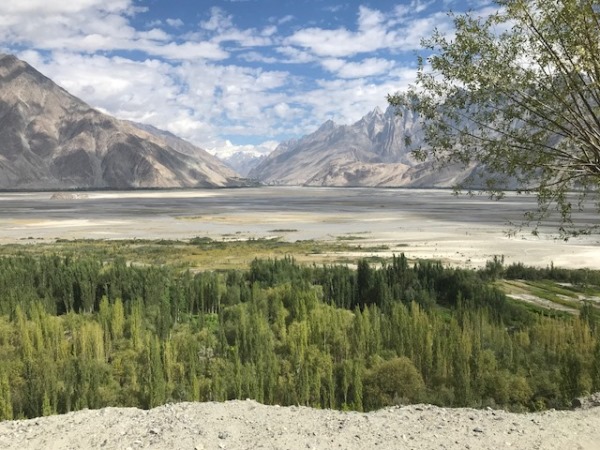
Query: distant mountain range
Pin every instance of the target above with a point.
(243, 162)
(371, 152)
(50, 139)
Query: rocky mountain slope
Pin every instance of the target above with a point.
(371, 152)
(50, 139)
(250, 425)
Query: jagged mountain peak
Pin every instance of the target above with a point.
(327, 125)
(373, 151)
(243, 162)
(376, 113)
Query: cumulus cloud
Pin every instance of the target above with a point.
(226, 148)
(372, 34)
(94, 25)
(175, 23)
(253, 56)
(219, 20)
(285, 19)
(44, 7)
(414, 7)
(185, 50)
(365, 68)
(399, 31)
(293, 55)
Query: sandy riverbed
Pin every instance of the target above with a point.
(421, 223)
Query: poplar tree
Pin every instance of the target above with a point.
(6, 408)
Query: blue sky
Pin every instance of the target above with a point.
(228, 75)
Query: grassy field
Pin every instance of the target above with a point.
(200, 253)
(548, 294)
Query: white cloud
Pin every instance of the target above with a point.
(245, 38)
(416, 29)
(369, 19)
(401, 31)
(94, 25)
(340, 42)
(226, 148)
(361, 69)
(282, 20)
(269, 31)
(185, 51)
(295, 56)
(414, 7)
(372, 35)
(175, 23)
(253, 56)
(45, 7)
(219, 21)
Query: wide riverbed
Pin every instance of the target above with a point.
(421, 223)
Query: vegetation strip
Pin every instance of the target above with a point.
(88, 330)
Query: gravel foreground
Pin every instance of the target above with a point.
(250, 425)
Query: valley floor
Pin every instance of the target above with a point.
(465, 231)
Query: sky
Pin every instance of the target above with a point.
(228, 75)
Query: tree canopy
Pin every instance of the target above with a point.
(517, 92)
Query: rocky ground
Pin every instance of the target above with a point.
(250, 425)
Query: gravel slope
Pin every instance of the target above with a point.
(250, 425)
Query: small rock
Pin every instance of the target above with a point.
(223, 434)
(477, 430)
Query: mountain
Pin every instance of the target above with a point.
(50, 139)
(371, 152)
(243, 162)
